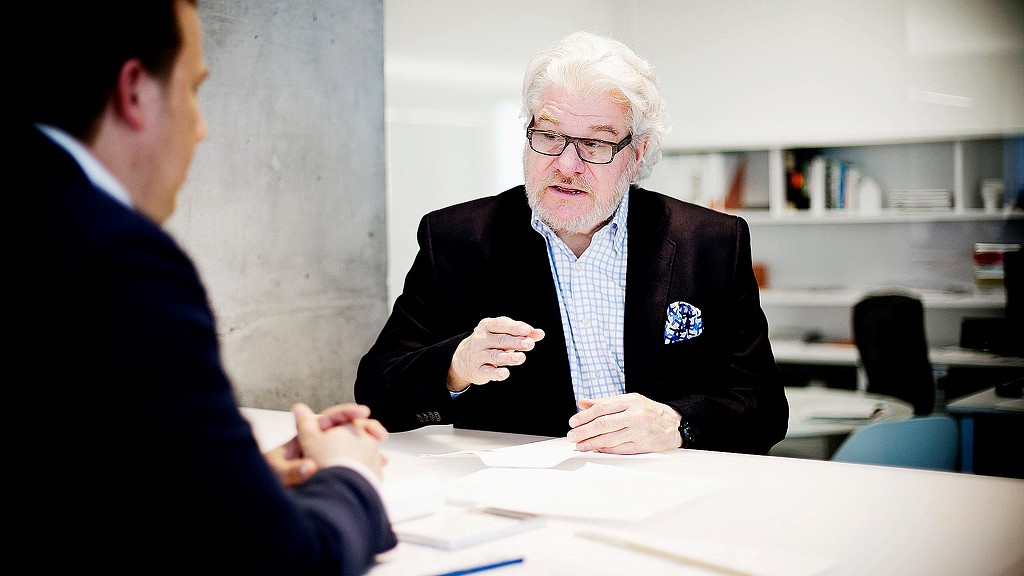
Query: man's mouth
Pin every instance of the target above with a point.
(564, 190)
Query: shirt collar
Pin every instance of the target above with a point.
(94, 170)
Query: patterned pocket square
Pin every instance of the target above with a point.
(684, 322)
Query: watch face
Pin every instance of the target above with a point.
(688, 435)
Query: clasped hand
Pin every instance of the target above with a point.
(625, 424)
(342, 432)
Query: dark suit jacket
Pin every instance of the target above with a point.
(135, 457)
(483, 259)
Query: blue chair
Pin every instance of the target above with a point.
(930, 442)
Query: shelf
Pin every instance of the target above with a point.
(878, 173)
(764, 217)
(833, 142)
(831, 297)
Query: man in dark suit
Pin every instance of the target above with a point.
(581, 304)
(142, 462)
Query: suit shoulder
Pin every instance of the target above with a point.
(509, 199)
(679, 214)
(478, 216)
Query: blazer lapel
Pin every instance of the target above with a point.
(651, 256)
(522, 273)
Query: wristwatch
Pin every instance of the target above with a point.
(688, 434)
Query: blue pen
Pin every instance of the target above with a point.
(476, 569)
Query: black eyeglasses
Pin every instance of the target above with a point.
(590, 150)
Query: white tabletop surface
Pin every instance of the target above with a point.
(986, 402)
(853, 519)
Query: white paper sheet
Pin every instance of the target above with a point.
(737, 559)
(409, 559)
(412, 497)
(588, 492)
(543, 454)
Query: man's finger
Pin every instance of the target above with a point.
(306, 422)
(343, 414)
(597, 409)
(376, 429)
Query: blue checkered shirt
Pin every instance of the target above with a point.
(592, 301)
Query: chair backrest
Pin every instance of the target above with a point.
(889, 332)
(1013, 279)
(930, 442)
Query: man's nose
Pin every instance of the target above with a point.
(571, 161)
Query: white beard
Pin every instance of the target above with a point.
(585, 223)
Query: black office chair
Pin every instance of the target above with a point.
(889, 332)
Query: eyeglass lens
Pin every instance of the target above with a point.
(553, 144)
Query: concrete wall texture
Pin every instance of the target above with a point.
(284, 209)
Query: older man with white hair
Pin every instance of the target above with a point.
(580, 304)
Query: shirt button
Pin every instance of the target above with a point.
(586, 322)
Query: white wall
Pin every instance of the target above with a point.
(749, 74)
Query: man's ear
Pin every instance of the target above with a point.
(641, 148)
(129, 98)
(639, 152)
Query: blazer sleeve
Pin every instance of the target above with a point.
(179, 479)
(402, 378)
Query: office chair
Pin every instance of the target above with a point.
(929, 442)
(888, 330)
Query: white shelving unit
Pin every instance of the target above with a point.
(821, 262)
(957, 166)
(790, 217)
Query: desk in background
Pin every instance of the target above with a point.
(991, 431)
(865, 519)
(832, 358)
(843, 354)
(816, 426)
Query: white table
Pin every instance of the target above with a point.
(815, 428)
(815, 411)
(844, 354)
(864, 519)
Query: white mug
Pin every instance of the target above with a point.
(992, 191)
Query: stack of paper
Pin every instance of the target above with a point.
(921, 200)
(847, 409)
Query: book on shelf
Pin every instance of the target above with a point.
(842, 185)
(816, 184)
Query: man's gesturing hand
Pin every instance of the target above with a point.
(494, 344)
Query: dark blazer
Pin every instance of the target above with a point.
(136, 458)
(483, 259)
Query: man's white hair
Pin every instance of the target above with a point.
(591, 64)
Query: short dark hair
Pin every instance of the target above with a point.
(77, 49)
